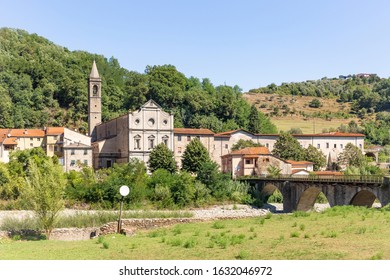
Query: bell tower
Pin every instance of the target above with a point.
(94, 101)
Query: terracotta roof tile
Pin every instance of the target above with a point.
(54, 130)
(331, 134)
(193, 131)
(27, 133)
(10, 141)
(302, 162)
(252, 151)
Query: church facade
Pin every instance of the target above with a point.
(135, 134)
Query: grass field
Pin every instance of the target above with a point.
(337, 233)
(307, 126)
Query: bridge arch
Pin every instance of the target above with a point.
(363, 198)
(308, 198)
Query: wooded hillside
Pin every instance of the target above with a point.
(43, 84)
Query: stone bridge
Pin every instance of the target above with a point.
(300, 193)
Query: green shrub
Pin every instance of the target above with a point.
(106, 245)
(294, 234)
(218, 225)
(243, 255)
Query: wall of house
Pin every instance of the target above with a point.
(182, 140)
(76, 157)
(265, 161)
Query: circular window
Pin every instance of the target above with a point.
(137, 121)
(151, 121)
(165, 122)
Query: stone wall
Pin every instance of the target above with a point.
(129, 226)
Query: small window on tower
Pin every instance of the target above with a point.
(95, 90)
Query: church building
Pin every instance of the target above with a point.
(136, 133)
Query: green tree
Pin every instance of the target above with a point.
(183, 189)
(351, 156)
(44, 192)
(194, 156)
(162, 158)
(315, 103)
(241, 144)
(288, 147)
(254, 124)
(315, 156)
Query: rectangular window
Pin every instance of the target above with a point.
(85, 152)
(267, 145)
(335, 146)
(31, 139)
(318, 146)
(247, 161)
(72, 152)
(31, 145)
(151, 144)
(85, 162)
(226, 146)
(327, 145)
(55, 148)
(38, 139)
(179, 138)
(360, 146)
(137, 144)
(179, 150)
(188, 138)
(165, 142)
(341, 146)
(72, 162)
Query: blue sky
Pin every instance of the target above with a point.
(246, 43)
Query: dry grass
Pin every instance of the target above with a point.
(338, 233)
(266, 102)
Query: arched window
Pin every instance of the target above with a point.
(95, 90)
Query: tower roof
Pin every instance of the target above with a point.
(94, 71)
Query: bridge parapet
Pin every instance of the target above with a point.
(326, 178)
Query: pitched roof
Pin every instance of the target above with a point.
(94, 71)
(3, 133)
(27, 133)
(295, 162)
(252, 151)
(230, 132)
(10, 141)
(331, 134)
(193, 131)
(54, 130)
(77, 145)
